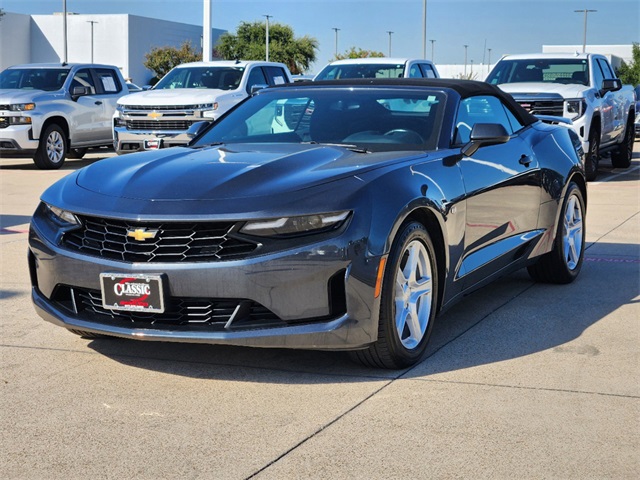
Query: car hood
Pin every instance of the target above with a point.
(566, 91)
(226, 172)
(8, 96)
(172, 96)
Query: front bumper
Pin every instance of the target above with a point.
(17, 139)
(128, 141)
(321, 295)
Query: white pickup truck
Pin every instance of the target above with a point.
(51, 111)
(580, 87)
(189, 93)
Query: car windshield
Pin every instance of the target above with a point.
(48, 79)
(222, 78)
(367, 118)
(546, 70)
(336, 72)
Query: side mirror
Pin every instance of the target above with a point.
(611, 85)
(196, 129)
(483, 135)
(80, 92)
(258, 86)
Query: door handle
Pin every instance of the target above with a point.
(525, 160)
(98, 102)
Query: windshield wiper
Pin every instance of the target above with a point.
(353, 148)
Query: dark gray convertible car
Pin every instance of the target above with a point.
(326, 215)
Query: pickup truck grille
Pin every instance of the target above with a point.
(543, 107)
(160, 108)
(158, 124)
(173, 241)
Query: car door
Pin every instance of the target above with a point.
(109, 89)
(606, 103)
(87, 110)
(614, 104)
(502, 184)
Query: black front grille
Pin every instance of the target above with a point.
(210, 313)
(157, 242)
(4, 107)
(4, 122)
(158, 124)
(540, 107)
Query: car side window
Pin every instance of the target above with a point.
(415, 72)
(480, 109)
(276, 75)
(598, 75)
(108, 82)
(606, 70)
(83, 78)
(256, 77)
(427, 71)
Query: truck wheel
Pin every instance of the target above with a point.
(593, 155)
(621, 156)
(52, 149)
(76, 153)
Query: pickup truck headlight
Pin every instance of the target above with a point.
(293, 226)
(22, 107)
(575, 108)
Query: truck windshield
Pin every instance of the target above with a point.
(546, 70)
(222, 78)
(336, 72)
(48, 79)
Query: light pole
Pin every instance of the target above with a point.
(489, 60)
(432, 55)
(465, 59)
(91, 22)
(424, 29)
(207, 50)
(64, 30)
(336, 30)
(584, 37)
(390, 33)
(267, 47)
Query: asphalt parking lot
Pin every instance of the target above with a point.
(522, 380)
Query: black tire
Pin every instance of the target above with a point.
(52, 149)
(592, 157)
(408, 287)
(621, 156)
(76, 153)
(563, 263)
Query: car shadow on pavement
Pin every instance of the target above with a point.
(513, 317)
(8, 221)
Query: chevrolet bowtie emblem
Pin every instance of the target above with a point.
(154, 115)
(142, 234)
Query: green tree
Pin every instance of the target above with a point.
(631, 73)
(249, 44)
(357, 53)
(162, 59)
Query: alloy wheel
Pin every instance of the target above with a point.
(572, 237)
(55, 147)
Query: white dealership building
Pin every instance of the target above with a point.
(121, 40)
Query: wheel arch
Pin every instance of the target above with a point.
(61, 122)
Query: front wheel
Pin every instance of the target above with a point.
(52, 149)
(621, 156)
(593, 155)
(563, 263)
(408, 302)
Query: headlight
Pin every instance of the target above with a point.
(61, 217)
(291, 226)
(22, 107)
(576, 108)
(19, 120)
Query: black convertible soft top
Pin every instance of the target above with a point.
(464, 88)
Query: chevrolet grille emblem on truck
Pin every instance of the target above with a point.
(142, 234)
(154, 115)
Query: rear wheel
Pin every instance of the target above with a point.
(408, 302)
(621, 156)
(563, 263)
(52, 148)
(593, 155)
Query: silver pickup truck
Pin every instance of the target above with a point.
(53, 111)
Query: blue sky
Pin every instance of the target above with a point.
(508, 26)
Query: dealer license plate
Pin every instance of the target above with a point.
(154, 144)
(140, 293)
